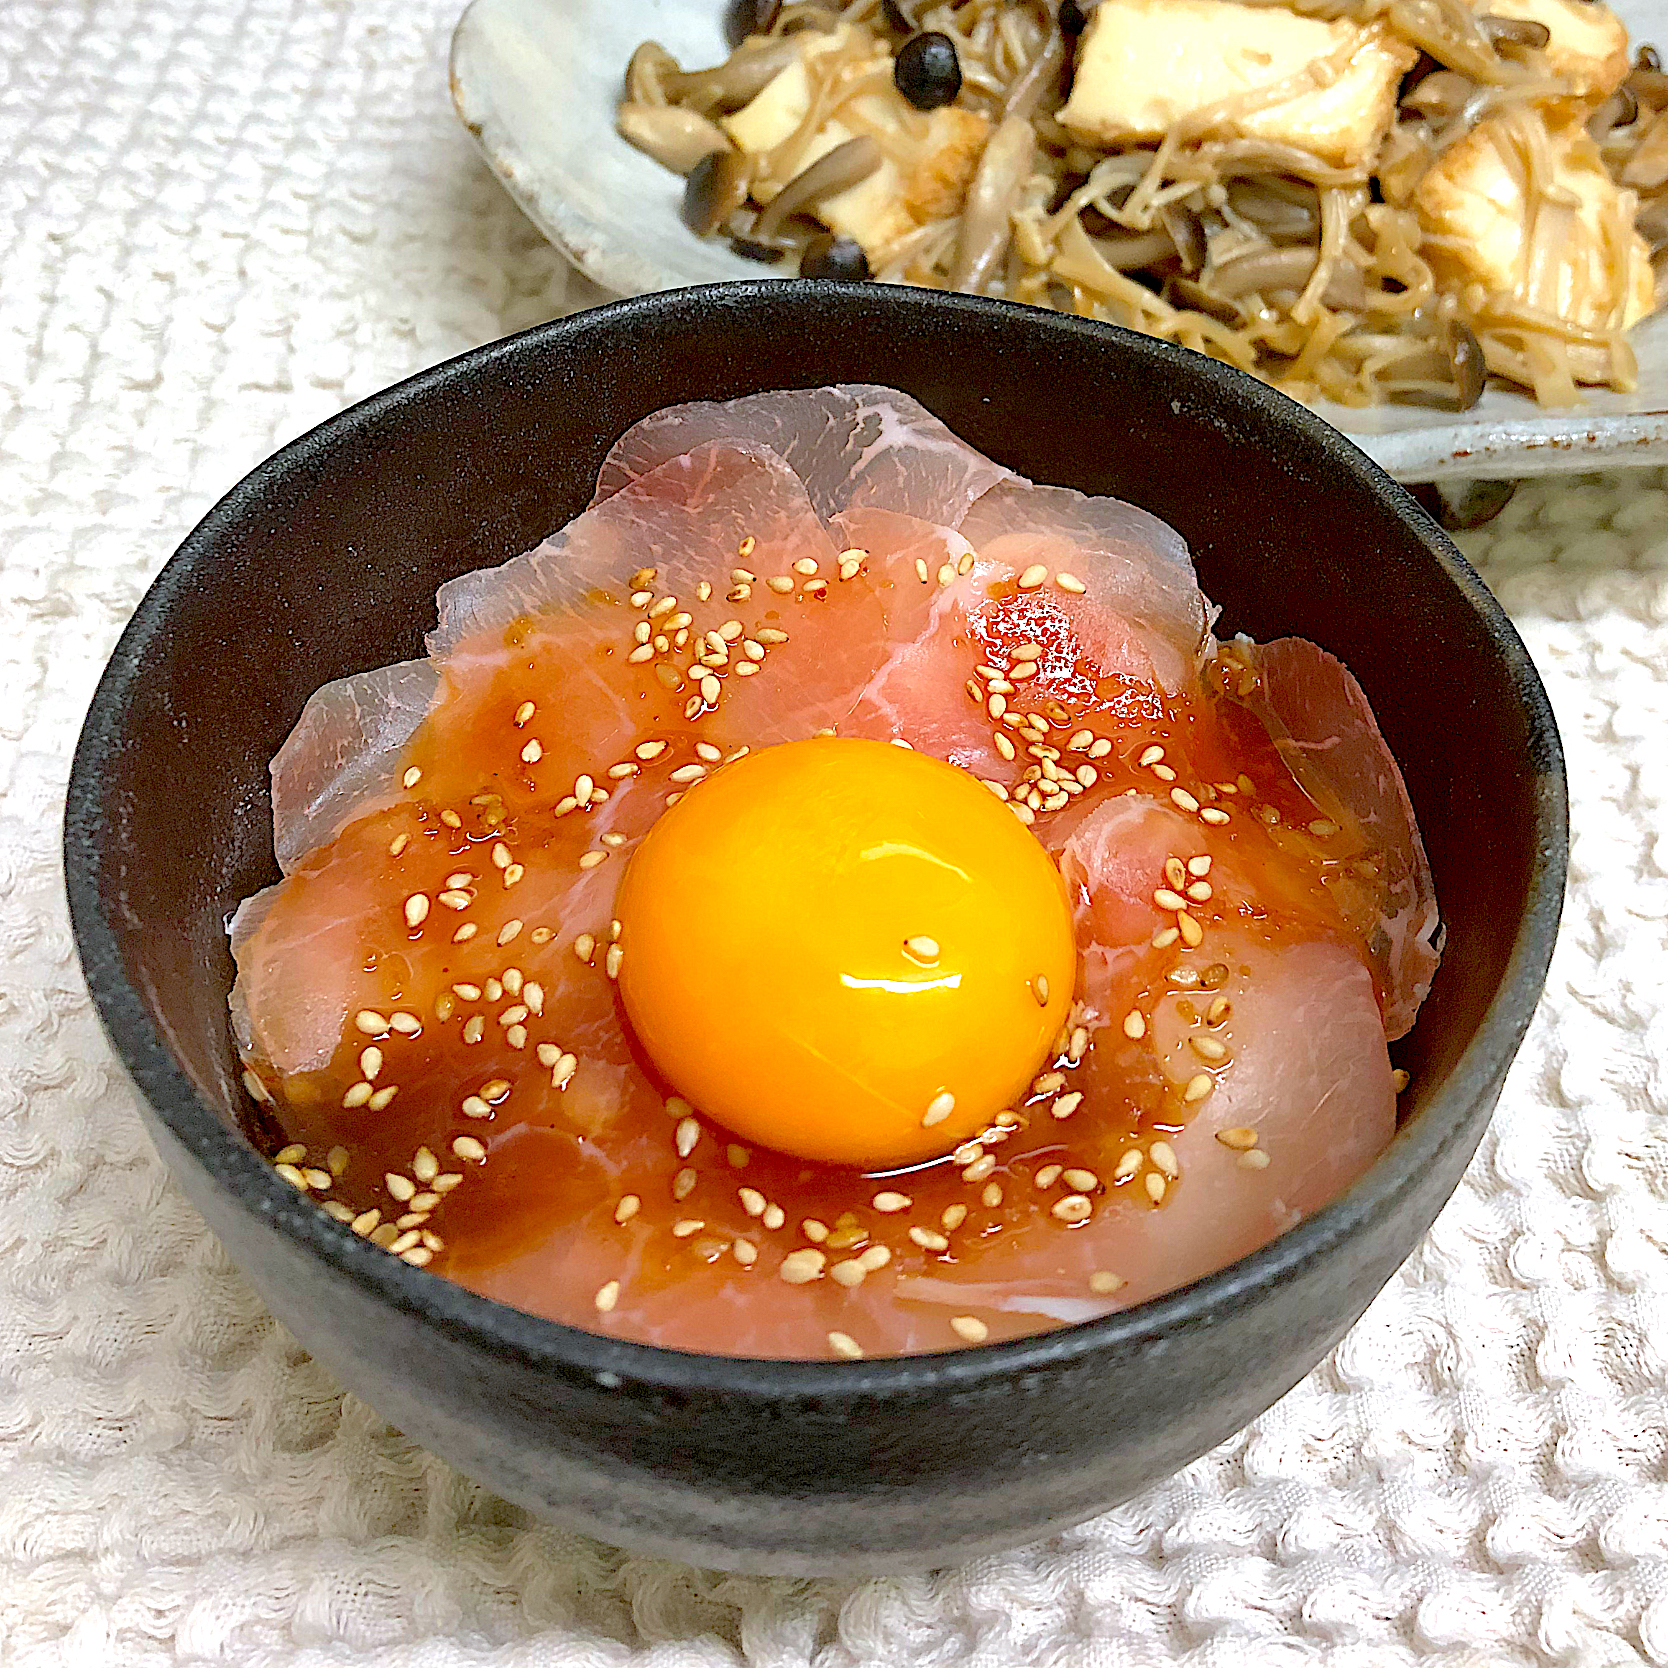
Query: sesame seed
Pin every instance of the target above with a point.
(400, 1187)
(992, 1195)
(590, 859)
(689, 773)
(383, 1097)
(611, 962)
(584, 946)
(947, 573)
(745, 1252)
(842, 1343)
(929, 1239)
(1239, 1139)
(1155, 1185)
(889, 1203)
(1066, 1105)
(292, 1175)
(801, 1267)
(412, 777)
(1165, 937)
(688, 1135)
(1003, 745)
(532, 752)
(770, 634)
(1213, 814)
(370, 1063)
(1132, 1161)
(1200, 891)
(357, 1095)
(1208, 1048)
(1163, 1156)
(921, 570)
(1073, 1208)
(938, 1109)
(683, 1183)
(979, 1169)
(780, 583)
(474, 1107)
(1182, 799)
(1198, 1087)
(1032, 577)
(1084, 1181)
(467, 1147)
(1193, 935)
(1047, 1175)
(1039, 989)
(1399, 1080)
(464, 933)
(752, 1200)
(1071, 583)
(849, 1273)
(607, 1296)
(365, 1221)
(405, 1242)
(1166, 899)
(922, 948)
(687, 1228)
(1135, 1025)
(969, 1328)
(562, 1074)
(1255, 1159)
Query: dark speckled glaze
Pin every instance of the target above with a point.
(325, 561)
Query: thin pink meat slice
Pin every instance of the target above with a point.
(1137, 568)
(854, 446)
(1323, 725)
(1310, 1074)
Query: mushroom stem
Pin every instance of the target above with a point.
(676, 138)
(736, 81)
(986, 224)
(837, 171)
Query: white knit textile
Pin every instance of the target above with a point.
(222, 221)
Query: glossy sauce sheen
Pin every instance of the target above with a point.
(1218, 1070)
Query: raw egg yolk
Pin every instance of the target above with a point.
(845, 950)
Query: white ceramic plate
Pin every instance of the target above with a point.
(535, 81)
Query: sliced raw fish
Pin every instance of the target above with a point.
(343, 752)
(1151, 615)
(1323, 725)
(855, 446)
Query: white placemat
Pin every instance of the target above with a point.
(221, 222)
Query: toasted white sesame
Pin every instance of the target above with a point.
(889, 1202)
(969, 1328)
(801, 1267)
(938, 1109)
(1032, 577)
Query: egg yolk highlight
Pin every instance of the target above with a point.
(845, 950)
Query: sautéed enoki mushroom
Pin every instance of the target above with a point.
(1363, 201)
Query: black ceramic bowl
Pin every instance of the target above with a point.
(325, 562)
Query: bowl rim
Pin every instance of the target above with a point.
(544, 1345)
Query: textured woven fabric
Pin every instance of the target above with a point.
(225, 220)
